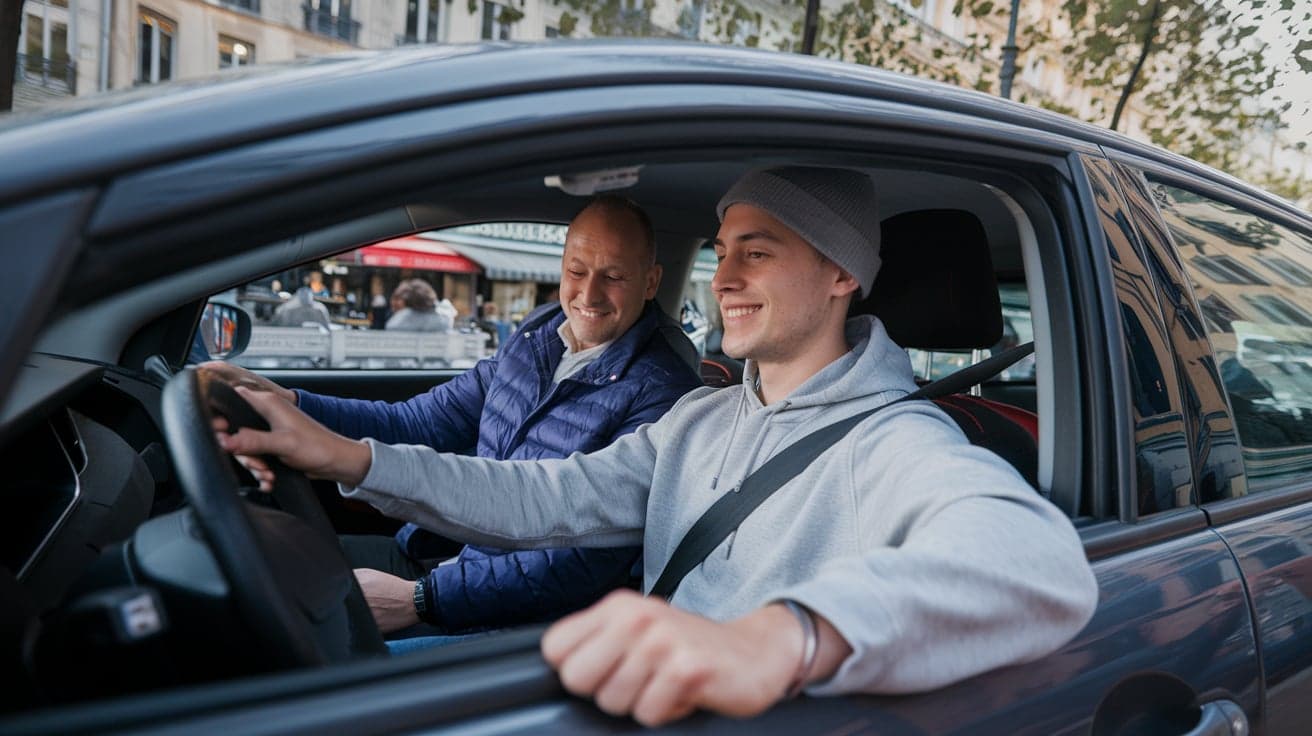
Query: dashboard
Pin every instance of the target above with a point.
(86, 465)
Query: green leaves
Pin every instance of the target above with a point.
(568, 23)
(1303, 55)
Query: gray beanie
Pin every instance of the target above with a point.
(832, 209)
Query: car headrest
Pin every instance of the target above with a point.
(936, 289)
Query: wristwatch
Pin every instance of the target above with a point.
(421, 601)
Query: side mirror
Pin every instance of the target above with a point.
(224, 330)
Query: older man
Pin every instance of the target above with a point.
(576, 376)
(900, 560)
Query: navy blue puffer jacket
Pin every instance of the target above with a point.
(507, 408)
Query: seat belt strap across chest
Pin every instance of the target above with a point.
(729, 511)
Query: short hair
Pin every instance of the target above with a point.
(615, 205)
(416, 294)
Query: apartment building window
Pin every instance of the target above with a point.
(421, 21)
(155, 42)
(1218, 314)
(44, 43)
(1279, 311)
(552, 32)
(1227, 270)
(235, 53)
(250, 6)
(1287, 270)
(497, 20)
(331, 18)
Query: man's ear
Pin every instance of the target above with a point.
(653, 281)
(845, 284)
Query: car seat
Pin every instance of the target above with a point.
(936, 290)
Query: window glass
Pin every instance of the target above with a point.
(35, 37)
(1286, 269)
(155, 43)
(1260, 328)
(58, 49)
(497, 21)
(1227, 270)
(235, 53)
(421, 21)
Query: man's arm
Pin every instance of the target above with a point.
(596, 500)
(445, 417)
(642, 657)
(494, 589)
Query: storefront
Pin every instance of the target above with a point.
(520, 262)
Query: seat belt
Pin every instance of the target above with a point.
(727, 513)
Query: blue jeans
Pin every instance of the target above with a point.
(398, 647)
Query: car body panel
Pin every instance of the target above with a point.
(1275, 554)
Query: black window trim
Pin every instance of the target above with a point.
(1110, 447)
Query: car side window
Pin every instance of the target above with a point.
(1252, 279)
(429, 301)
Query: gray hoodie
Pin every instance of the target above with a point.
(932, 557)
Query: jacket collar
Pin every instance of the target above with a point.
(612, 364)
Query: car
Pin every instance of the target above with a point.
(1168, 403)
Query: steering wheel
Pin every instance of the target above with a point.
(285, 569)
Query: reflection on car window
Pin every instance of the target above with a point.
(1253, 281)
(429, 301)
(1017, 329)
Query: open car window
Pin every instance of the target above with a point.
(435, 300)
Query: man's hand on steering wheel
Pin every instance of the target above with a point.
(235, 376)
(295, 439)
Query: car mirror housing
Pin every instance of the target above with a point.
(225, 330)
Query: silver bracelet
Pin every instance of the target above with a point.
(810, 647)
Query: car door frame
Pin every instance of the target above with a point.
(484, 677)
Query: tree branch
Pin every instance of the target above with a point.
(1143, 56)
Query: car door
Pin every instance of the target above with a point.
(1173, 629)
(1248, 267)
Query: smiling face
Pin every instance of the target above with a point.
(606, 275)
(780, 300)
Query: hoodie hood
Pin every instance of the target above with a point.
(874, 365)
(873, 372)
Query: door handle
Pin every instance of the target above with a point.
(1221, 718)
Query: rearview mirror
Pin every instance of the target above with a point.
(224, 330)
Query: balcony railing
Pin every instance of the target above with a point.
(55, 74)
(325, 23)
(249, 6)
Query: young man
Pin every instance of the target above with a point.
(576, 376)
(902, 559)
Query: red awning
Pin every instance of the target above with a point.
(417, 253)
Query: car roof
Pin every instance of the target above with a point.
(122, 131)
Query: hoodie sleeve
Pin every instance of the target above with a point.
(984, 572)
(491, 588)
(594, 500)
(445, 417)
